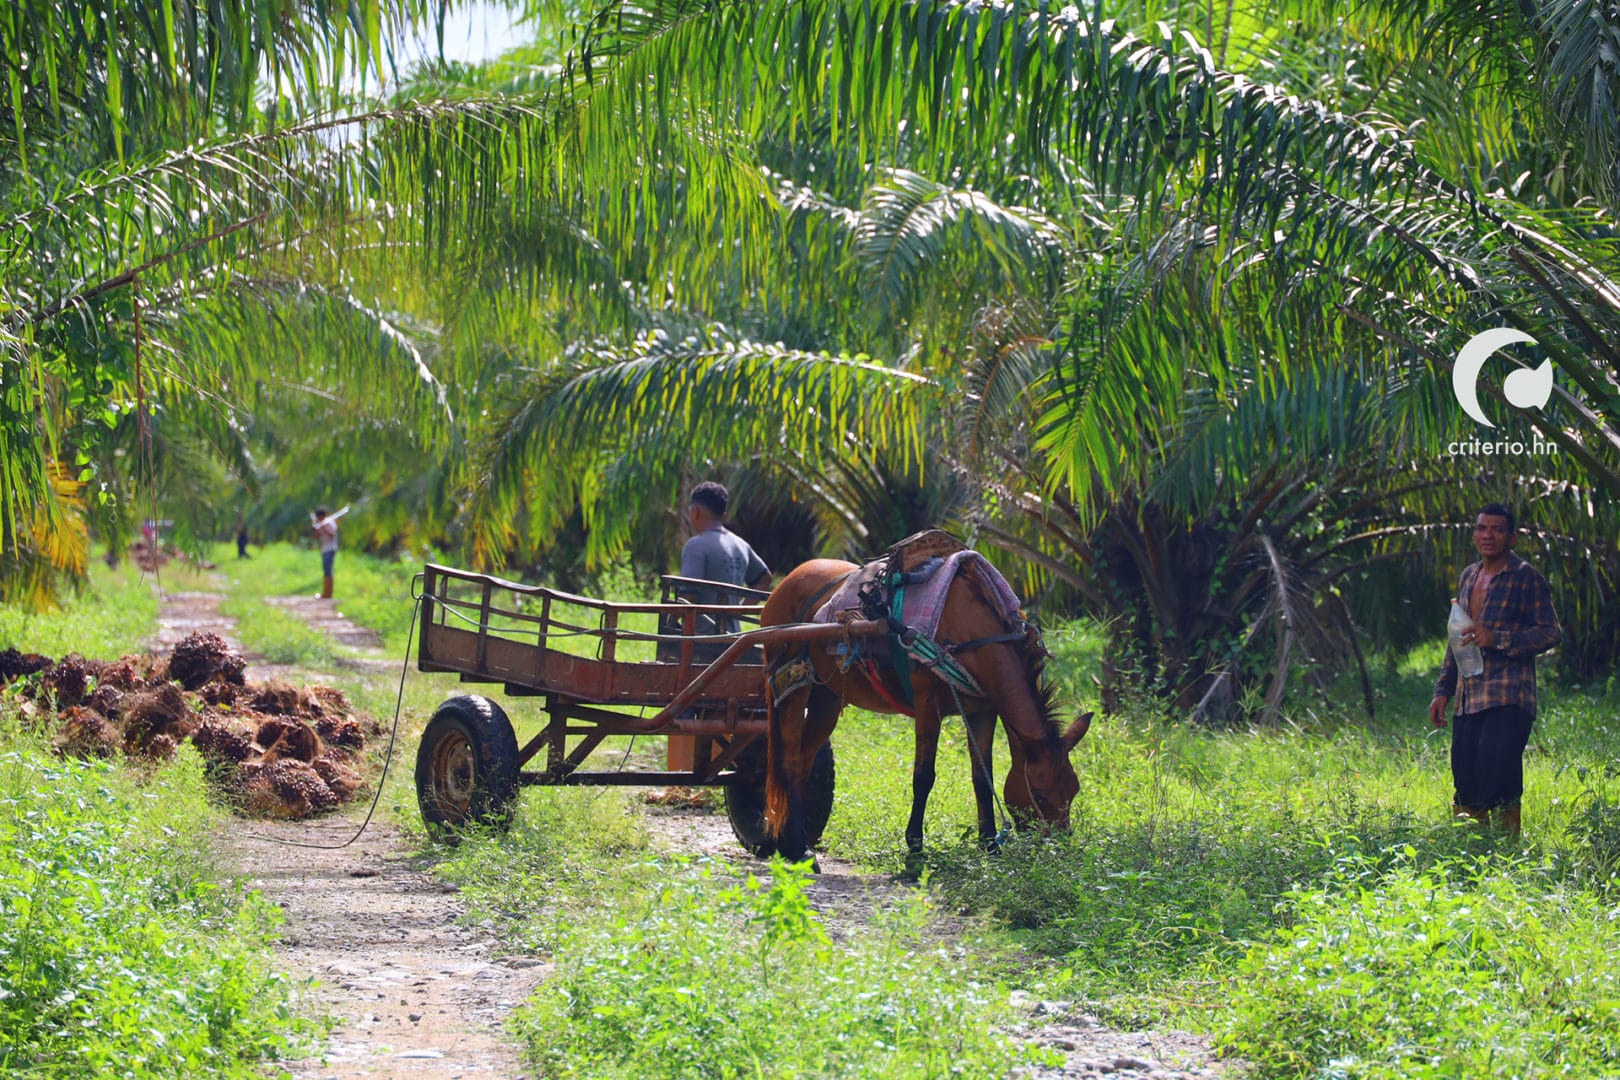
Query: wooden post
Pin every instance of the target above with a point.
(681, 752)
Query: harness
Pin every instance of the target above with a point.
(883, 599)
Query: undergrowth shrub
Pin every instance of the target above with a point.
(701, 980)
(119, 955)
(1470, 966)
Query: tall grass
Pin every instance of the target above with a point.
(120, 951)
(668, 967)
(115, 613)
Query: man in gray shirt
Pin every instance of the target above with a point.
(715, 553)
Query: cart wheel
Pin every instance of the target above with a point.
(745, 799)
(467, 765)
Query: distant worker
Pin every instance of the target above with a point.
(715, 553)
(324, 526)
(1509, 620)
(241, 535)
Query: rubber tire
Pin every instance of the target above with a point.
(487, 733)
(745, 799)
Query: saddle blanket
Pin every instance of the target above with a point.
(924, 600)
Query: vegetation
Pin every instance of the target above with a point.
(1157, 299)
(1275, 887)
(120, 951)
(115, 613)
(670, 967)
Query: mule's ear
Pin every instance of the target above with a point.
(1077, 731)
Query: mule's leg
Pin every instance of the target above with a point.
(922, 776)
(820, 717)
(982, 730)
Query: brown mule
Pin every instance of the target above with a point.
(1041, 784)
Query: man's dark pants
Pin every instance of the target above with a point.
(1487, 756)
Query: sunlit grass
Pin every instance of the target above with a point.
(121, 950)
(115, 613)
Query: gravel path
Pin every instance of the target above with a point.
(413, 991)
(416, 992)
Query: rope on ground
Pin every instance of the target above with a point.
(388, 758)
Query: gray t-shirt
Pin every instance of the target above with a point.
(719, 555)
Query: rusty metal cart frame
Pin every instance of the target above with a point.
(488, 630)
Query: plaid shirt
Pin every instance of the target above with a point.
(1518, 611)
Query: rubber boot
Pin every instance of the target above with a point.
(1482, 818)
(1510, 821)
(326, 587)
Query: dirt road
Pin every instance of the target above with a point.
(415, 992)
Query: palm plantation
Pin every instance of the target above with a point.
(1155, 302)
(1162, 307)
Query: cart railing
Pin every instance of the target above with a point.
(539, 640)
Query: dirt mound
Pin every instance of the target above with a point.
(275, 750)
(201, 657)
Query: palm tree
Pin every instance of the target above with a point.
(1107, 280)
(1264, 285)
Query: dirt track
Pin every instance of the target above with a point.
(416, 993)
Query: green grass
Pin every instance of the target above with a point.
(372, 592)
(1490, 965)
(121, 953)
(114, 614)
(667, 967)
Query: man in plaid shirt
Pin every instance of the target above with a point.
(1511, 606)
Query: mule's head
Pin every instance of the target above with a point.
(1041, 784)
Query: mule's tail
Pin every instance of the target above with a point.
(776, 792)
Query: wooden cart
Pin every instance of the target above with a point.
(601, 669)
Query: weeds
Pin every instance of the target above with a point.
(118, 952)
(701, 979)
(115, 614)
(1469, 966)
